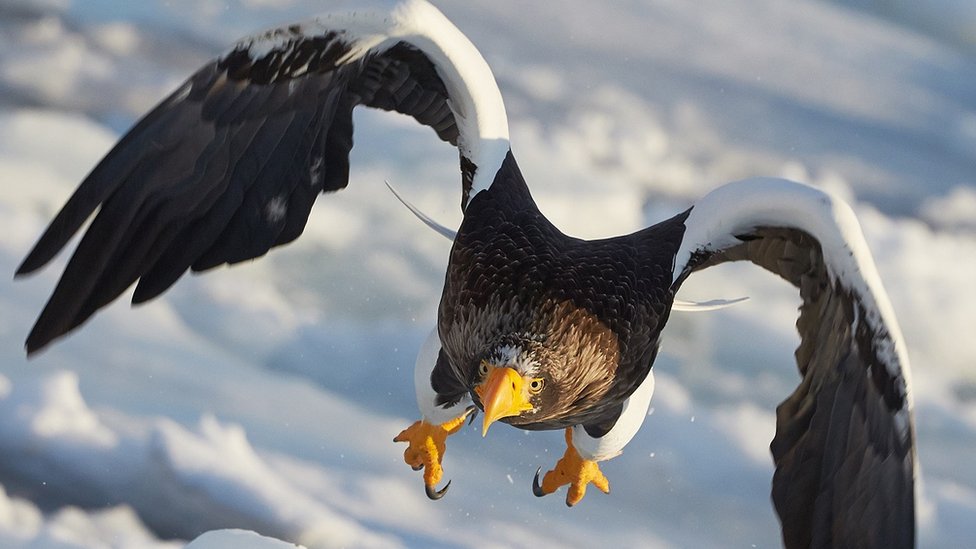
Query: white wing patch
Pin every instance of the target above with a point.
(475, 100)
(631, 418)
(741, 207)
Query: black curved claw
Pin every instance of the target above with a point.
(417, 467)
(472, 412)
(436, 494)
(536, 487)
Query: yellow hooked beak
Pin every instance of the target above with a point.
(502, 395)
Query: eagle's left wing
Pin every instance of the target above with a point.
(844, 444)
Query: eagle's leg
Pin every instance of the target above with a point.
(579, 467)
(426, 449)
(427, 436)
(573, 470)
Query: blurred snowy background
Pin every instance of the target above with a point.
(266, 396)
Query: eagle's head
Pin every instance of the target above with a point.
(560, 369)
(515, 381)
(526, 381)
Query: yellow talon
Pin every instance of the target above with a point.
(572, 469)
(426, 450)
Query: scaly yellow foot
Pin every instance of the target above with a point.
(572, 469)
(426, 450)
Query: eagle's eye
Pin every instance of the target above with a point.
(536, 385)
(483, 368)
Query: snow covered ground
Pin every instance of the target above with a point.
(265, 397)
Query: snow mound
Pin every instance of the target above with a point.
(238, 539)
(186, 482)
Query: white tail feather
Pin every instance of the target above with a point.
(701, 306)
(441, 229)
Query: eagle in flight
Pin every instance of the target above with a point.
(534, 328)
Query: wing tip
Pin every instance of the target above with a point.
(36, 342)
(32, 262)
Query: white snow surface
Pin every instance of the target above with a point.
(264, 397)
(237, 539)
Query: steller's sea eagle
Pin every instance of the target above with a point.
(535, 328)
